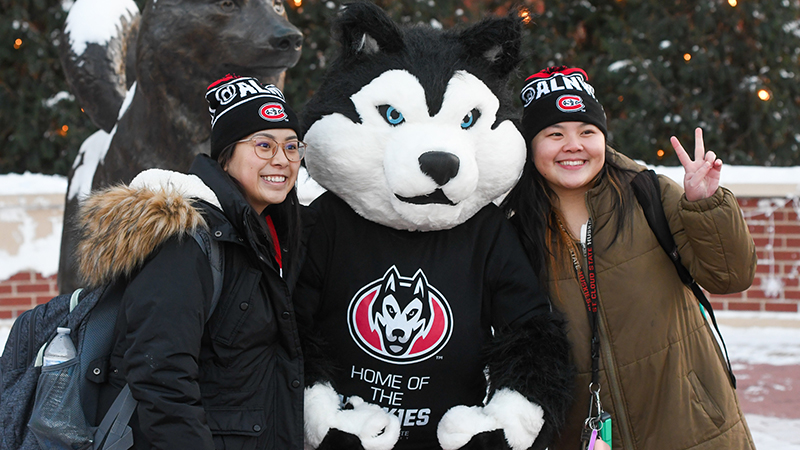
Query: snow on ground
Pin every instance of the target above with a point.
(777, 345)
(773, 345)
(771, 433)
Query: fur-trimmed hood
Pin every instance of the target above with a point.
(120, 226)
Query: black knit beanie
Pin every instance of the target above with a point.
(559, 94)
(240, 106)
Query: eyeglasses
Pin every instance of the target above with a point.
(266, 147)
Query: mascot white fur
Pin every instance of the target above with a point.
(423, 323)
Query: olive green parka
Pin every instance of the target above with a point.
(663, 377)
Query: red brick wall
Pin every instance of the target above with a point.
(773, 223)
(775, 228)
(23, 291)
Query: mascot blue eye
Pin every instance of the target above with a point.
(392, 116)
(469, 120)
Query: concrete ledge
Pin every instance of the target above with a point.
(746, 319)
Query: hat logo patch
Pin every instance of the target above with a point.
(570, 103)
(273, 112)
(226, 94)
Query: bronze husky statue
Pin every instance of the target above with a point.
(143, 83)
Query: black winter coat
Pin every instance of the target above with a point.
(229, 381)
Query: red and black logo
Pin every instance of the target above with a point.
(570, 103)
(400, 320)
(272, 111)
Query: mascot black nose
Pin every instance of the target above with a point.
(441, 166)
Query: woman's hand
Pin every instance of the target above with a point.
(702, 175)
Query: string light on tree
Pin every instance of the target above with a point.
(17, 44)
(297, 3)
(525, 15)
(733, 3)
(764, 94)
(660, 153)
(63, 131)
(687, 57)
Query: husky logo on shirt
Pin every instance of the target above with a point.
(400, 320)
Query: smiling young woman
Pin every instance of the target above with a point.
(569, 156)
(225, 375)
(260, 164)
(645, 354)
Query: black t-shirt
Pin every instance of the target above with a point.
(406, 314)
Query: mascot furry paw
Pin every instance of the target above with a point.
(414, 278)
(509, 411)
(374, 428)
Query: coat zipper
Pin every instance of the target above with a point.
(621, 419)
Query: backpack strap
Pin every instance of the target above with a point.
(646, 188)
(114, 432)
(213, 250)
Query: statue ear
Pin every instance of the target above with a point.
(495, 41)
(364, 29)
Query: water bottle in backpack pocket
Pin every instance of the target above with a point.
(43, 396)
(57, 420)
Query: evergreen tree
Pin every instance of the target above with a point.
(41, 125)
(659, 68)
(664, 68)
(314, 18)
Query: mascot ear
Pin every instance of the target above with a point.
(496, 41)
(364, 28)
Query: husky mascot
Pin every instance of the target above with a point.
(424, 324)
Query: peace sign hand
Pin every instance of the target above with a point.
(702, 175)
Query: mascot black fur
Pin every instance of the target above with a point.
(415, 291)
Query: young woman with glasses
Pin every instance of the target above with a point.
(224, 373)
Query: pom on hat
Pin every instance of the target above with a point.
(240, 106)
(559, 94)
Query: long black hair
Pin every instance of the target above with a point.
(529, 206)
(285, 216)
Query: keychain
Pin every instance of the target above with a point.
(591, 438)
(605, 429)
(596, 434)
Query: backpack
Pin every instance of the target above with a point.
(648, 193)
(58, 402)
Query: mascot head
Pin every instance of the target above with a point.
(412, 127)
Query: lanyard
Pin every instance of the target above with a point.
(589, 291)
(598, 422)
